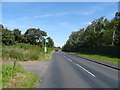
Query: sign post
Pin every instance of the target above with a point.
(45, 49)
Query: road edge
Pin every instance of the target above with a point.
(102, 62)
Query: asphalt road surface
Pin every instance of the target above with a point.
(68, 71)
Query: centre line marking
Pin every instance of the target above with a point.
(69, 59)
(86, 70)
(64, 56)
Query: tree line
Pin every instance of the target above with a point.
(100, 33)
(32, 36)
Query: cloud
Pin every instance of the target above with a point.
(88, 23)
(85, 23)
(79, 12)
(42, 16)
(88, 12)
(64, 23)
(51, 15)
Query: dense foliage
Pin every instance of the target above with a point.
(8, 37)
(100, 33)
(25, 52)
(32, 36)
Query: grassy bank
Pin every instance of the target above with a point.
(0, 76)
(99, 57)
(25, 52)
(17, 77)
(14, 76)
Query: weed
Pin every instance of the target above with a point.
(25, 52)
(17, 77)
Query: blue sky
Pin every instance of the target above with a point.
(59, 20)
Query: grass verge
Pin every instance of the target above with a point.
(14, 76)
(99, 57)
(17, 77)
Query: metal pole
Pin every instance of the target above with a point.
(45, 48)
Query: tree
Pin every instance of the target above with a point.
(117, 15)
(50, 42)
(98, 34)
(23, 39)
(34, 35)
(7, 37)
(1, 27)
(17, 34)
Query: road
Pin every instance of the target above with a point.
(68, 71)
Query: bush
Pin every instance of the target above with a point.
(104, 51)
(24, 52)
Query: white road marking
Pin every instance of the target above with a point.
(69, 59)
(86, 70)
(63, 53)
(81, 67)
(65, 56)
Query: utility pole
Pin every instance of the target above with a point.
(45, 48)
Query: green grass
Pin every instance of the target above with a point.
(99, 57)
(25, 52)
(0, 65)
(17, 77)
(0, 76)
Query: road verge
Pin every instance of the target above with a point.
(18, 77)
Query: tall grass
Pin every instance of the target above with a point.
(25, 52)
(8, 71)
(0, 76)
(17, 77)
(14, 76)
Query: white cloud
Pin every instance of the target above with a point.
(64, 23)
(51, 15)
(85, 23)
(67, 25)
(91, 11)
(88, 23)
(79, 12)
(42, 16)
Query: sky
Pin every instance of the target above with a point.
(58, 19)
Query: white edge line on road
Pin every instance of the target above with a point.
(86, 70)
